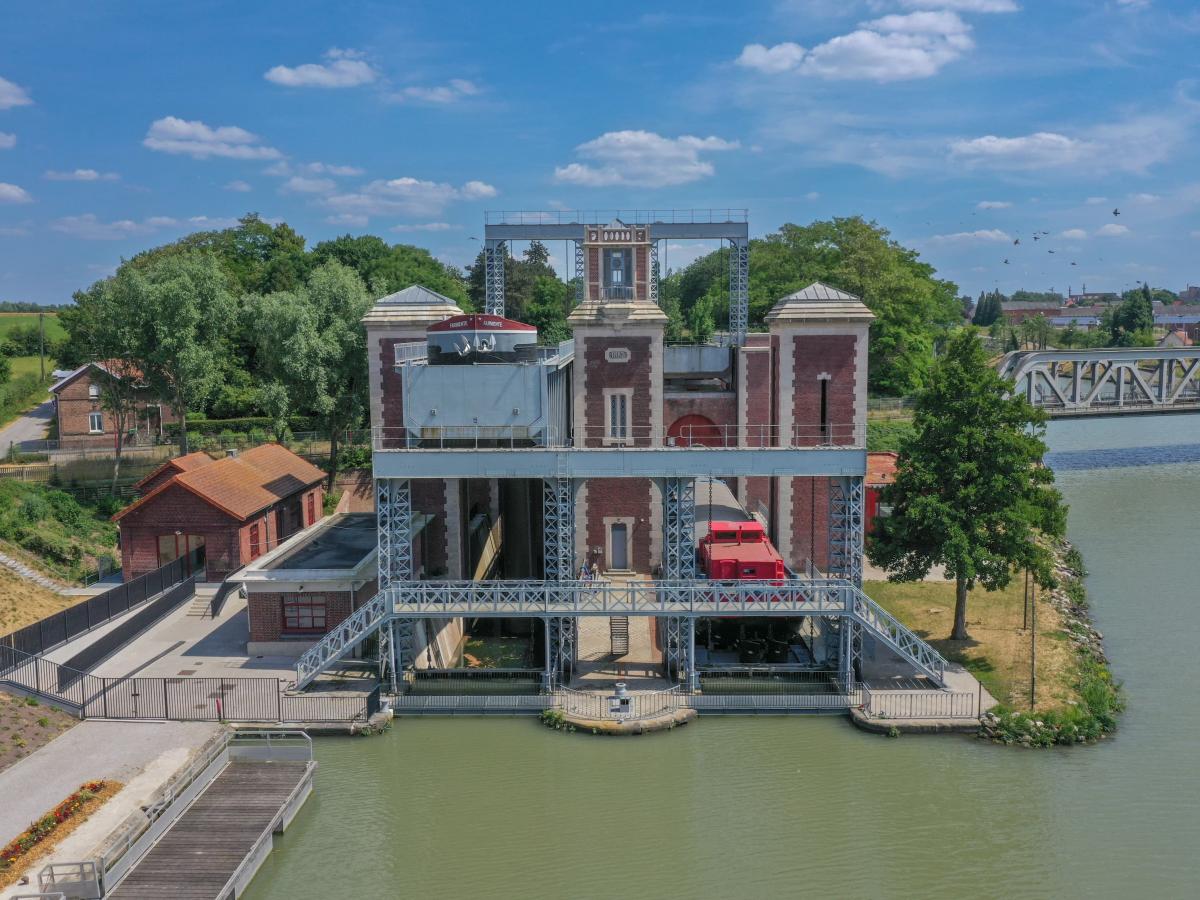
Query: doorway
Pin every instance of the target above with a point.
(619, 560)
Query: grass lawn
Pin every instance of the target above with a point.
(26, 725)
(9, 321)
(998, 653)
(29, 365)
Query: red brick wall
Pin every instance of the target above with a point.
(601, 374)
(429, 496)
(177, 509)
(75, 405)
(720, 409)
(641, 272)
(756, 395)
(810, 522)
(266, 613)
(593, 272)
(392, 401)
(813, 355)
(620, 497)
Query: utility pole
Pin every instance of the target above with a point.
(42, 343)
(1033, 651)
(1025, 606)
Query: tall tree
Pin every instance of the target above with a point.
(314, 350)
(971, 492)
(182, 307)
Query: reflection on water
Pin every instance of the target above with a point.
(780, 807)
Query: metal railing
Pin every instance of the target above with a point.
(933, 704)
(833, 701)
(891, 631)
(640, 704)
(605, 598)
(470, 704)
(604, 216)
(592, 437)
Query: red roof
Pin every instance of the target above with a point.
(881, 468)
(193, 460)
(480, 322)
(240, 485)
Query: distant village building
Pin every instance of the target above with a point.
(84, 422)
(1016, 312)
(237, 508)
(1191, 294)
(1177, 338)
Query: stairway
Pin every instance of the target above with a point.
(885, 628)
(344, 637)
(618, 635)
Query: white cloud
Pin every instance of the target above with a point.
(1134, 4)
(425, 226)
(354, 220)
(1196, 234)
(14, 231)
(1032, 151)
(342, 69)
(80, 175)
(238, 185)
(1074, 234)
(1145, 198)
(405, 196)
(13, 95)
(298, 184)
(454, 90)
(7, 141)
(642, 159)
(993, 204)
(10, 193)
(812, 196)
(210, 223)
(284, 169)
(986, 236)
(1112, 229)
(89, 228)
(892, 48)
(976, 6)
(200, 141)
(1096, 201)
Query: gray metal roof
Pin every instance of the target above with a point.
(416, 295)
(819, 303)
(820, 291)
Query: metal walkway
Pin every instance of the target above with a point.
(210, 830)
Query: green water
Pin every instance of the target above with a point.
(779, 807)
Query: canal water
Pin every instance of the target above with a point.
(777, 807)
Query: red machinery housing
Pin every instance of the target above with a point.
(733, 551)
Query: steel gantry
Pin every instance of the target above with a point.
(679, 564)
(580, 274)
(846, 519)
(1106, 380)
(393, 505)
(558, 538)
(739, 290)
(494, 254)
(652, 282)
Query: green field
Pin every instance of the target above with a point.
(28, 365)
(9, 321)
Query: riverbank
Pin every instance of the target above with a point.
(1052, 688)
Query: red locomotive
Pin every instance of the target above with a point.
(737, 551)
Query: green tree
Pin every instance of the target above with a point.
(313, 351)
(1131, 323)
(701, 321)
(386, 269)
(548, 308)
(521, 276)
(971, 492)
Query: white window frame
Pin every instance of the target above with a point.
(93, 392)
(618, 434)
(92, 419)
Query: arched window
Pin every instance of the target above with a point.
(695, 430)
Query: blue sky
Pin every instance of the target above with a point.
(960, 125)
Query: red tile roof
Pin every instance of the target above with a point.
(240, 485)
(881, 468)
(193, 460)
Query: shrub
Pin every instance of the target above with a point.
(65, 508)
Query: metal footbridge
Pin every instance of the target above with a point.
(1107, 381)
(677, 599)
(209, 829)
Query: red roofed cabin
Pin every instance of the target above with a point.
(83, 421)
(881, 471)
(238, 508)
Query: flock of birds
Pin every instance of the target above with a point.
(1038, 235)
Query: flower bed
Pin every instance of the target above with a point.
(51, 828)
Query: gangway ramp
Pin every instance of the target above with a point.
(210, 832)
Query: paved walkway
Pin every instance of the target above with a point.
(93, 750)
(28, 428)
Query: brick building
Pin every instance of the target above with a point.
(238, 508)
(82, 420)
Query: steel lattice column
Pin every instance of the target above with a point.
(562, 639)
(679, 527)
(580, 286)
(739, 290)
(393, 505)
(558, 528)
(846, 501)
(652, 281)
(493, 259)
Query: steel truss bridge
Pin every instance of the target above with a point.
(1106, 381)
(502, 227)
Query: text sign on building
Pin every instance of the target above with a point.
(617, 355)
